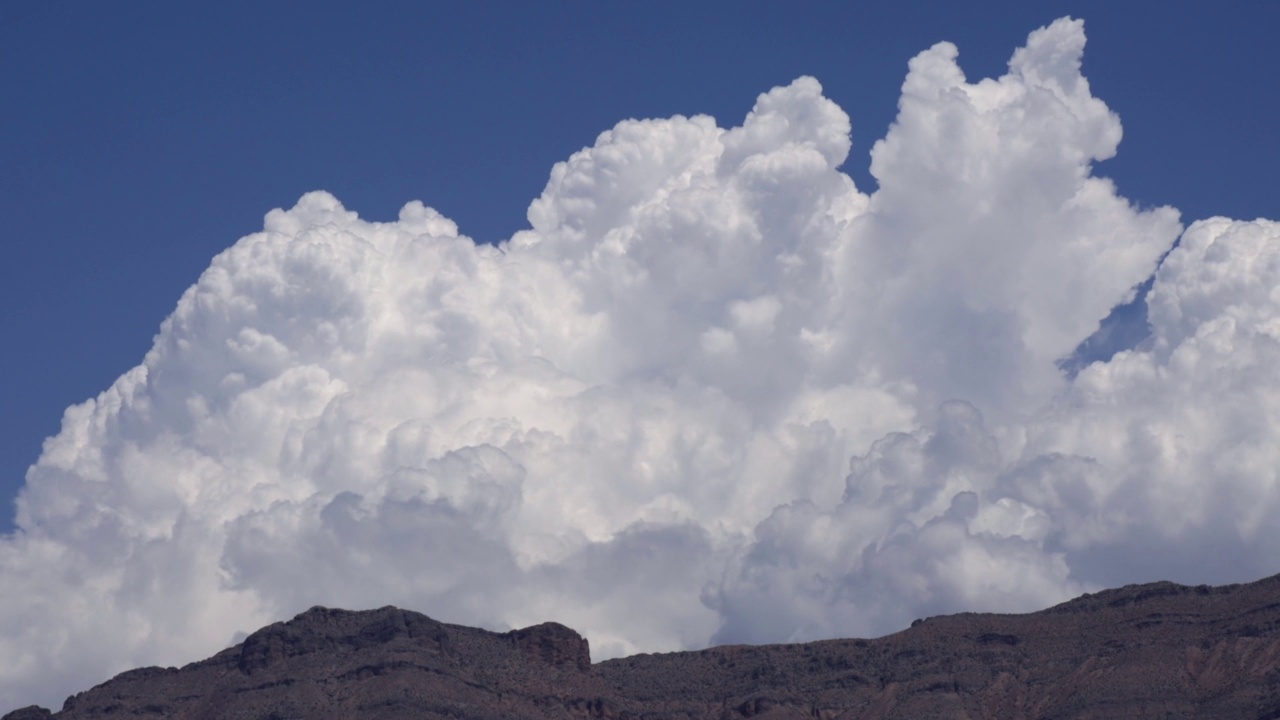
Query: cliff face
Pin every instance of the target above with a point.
(1157, 651)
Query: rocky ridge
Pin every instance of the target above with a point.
(1143, 651)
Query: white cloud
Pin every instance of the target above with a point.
(922, 529)
(1003, 251)
(638, 416)
(1175, 444)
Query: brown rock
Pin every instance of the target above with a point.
(554, 644)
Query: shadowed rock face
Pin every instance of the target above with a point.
(1143, 651)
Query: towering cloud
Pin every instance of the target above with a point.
(714, 393)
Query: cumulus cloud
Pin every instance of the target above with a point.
(714, 393)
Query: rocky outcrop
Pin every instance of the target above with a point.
(1145, 651)
(554, 644)
(336, 633)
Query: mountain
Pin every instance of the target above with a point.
(1143, 651)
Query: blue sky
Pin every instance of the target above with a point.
(141, 139)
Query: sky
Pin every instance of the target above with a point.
(778, 318)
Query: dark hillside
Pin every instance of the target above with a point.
(1142, 651)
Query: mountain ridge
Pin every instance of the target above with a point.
(1152, 650)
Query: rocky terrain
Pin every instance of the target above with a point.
(1143, 651)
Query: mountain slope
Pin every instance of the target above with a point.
(1158, 650)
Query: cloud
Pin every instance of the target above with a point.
(715, 392)
(1158, 463)
(922, 529)
(1177, 438)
